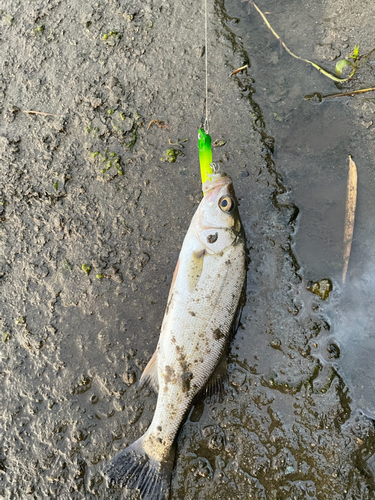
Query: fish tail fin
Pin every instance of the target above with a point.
(134, 469)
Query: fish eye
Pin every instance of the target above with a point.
(226, 203)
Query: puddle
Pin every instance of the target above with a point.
(311, 147)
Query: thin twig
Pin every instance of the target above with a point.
(364, 56)
(159, 123)
(361, 91)
(351, 201)
(238, 70)
(316, 66)
(40, 113)
(178, 143)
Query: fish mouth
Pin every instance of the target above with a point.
(214, 181)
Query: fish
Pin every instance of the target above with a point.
(206, 289)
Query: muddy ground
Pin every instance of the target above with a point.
(91, 223)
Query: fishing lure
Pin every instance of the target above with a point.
(205, 155)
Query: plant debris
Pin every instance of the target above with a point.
(171, 155)
(159, 123)
(177, 143)
(351, 201)
(316, 66)
(238, 70)
(317, 97)
(39, 113)
(218, 144)
(342, 63)
(321, 288)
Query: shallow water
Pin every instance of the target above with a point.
(312, 143)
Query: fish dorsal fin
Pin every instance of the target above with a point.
(216, 383)
(150, 373)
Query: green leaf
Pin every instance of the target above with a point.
(355, 52)
(340, 65)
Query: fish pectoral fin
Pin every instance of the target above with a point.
(150, 373)
(216, 383)
(198, 254)
(194, 268)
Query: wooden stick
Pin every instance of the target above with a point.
(351, 201)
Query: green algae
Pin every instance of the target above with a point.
(86, 268)
(171, 155)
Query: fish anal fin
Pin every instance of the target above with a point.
(150, 373)
(216, 383)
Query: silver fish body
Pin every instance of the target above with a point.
(203, 299)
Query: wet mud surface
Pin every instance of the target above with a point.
(91, 224)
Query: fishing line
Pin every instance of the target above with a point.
(206, 64)
(204, 139)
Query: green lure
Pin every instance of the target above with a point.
(205, 154)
